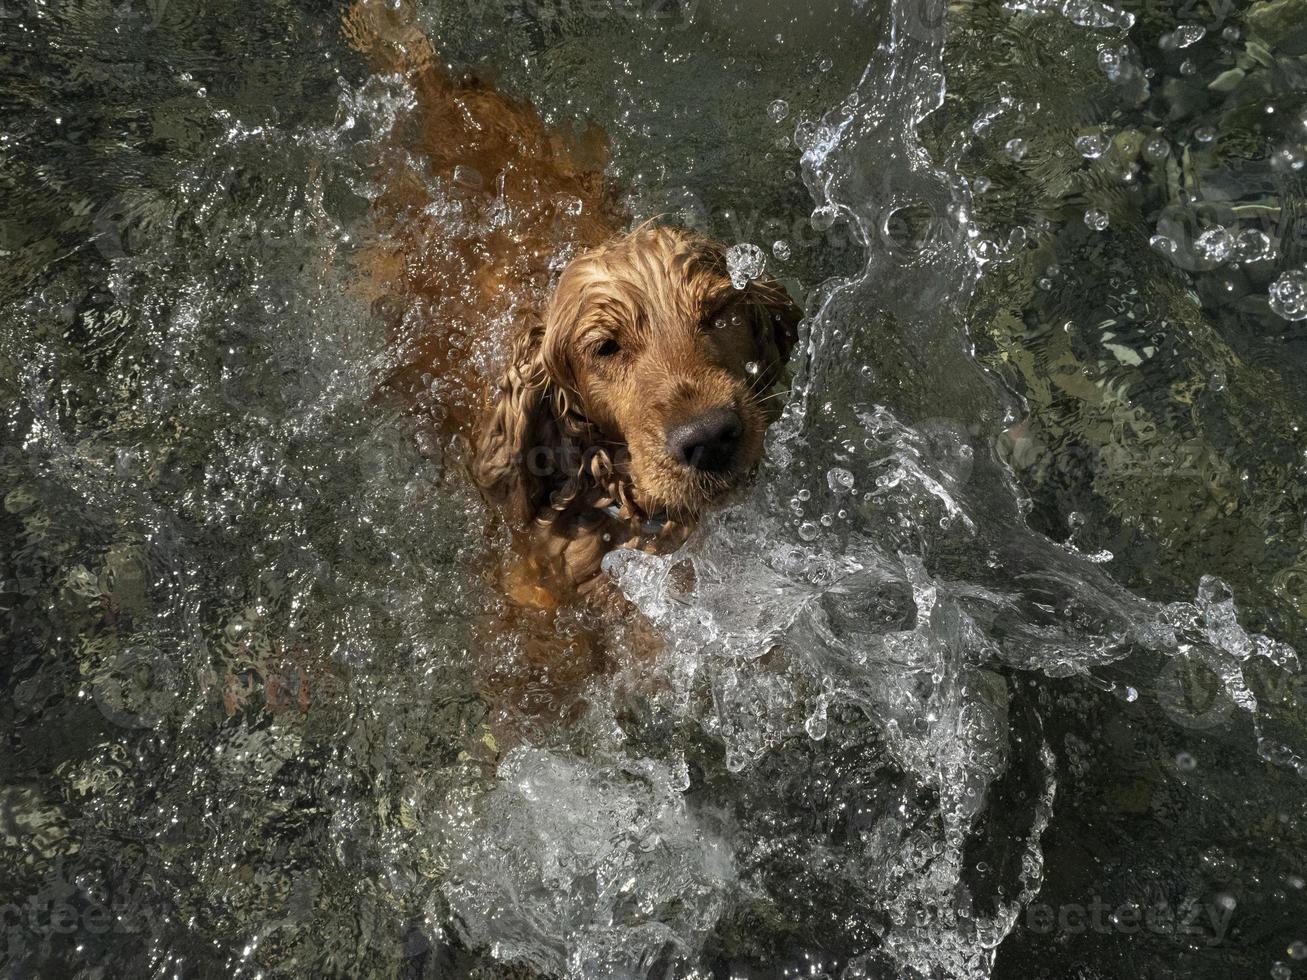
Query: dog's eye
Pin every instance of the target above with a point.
(606, 348)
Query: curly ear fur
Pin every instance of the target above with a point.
(520, 427)
(535, 455)
(776, 327)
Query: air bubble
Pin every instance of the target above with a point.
(1092, 147)
(1016, 148)
(781, 249)
(1157, 149)
(1097, 219)
(822, 217)
(815, 725)
(839, 479)
(778, 110)
(1288, 295)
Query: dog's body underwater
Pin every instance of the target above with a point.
(637, 385)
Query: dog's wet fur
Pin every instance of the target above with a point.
(636, 387)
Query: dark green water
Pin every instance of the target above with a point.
(1028, 554)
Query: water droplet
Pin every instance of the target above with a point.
(1253, 246)
(1186, 35)
(778, 110)
(744, 262)
(753, 367)
(839, 479)
(1089, 13)
(1214, 245)
(822, 217)
(1016, 148)
(1110, 61)
(1092, 147)
(1289, 295)
(1097, 219)
(805, 133)
(1289, 158)
(1157, 149)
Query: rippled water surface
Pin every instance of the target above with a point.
(992, 674)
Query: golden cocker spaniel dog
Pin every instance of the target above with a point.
(637, 401)
(638, 383)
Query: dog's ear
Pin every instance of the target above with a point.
(776, 327)
(517, 449)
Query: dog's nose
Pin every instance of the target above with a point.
(708, 441)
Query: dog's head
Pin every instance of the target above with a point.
(651, 380)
